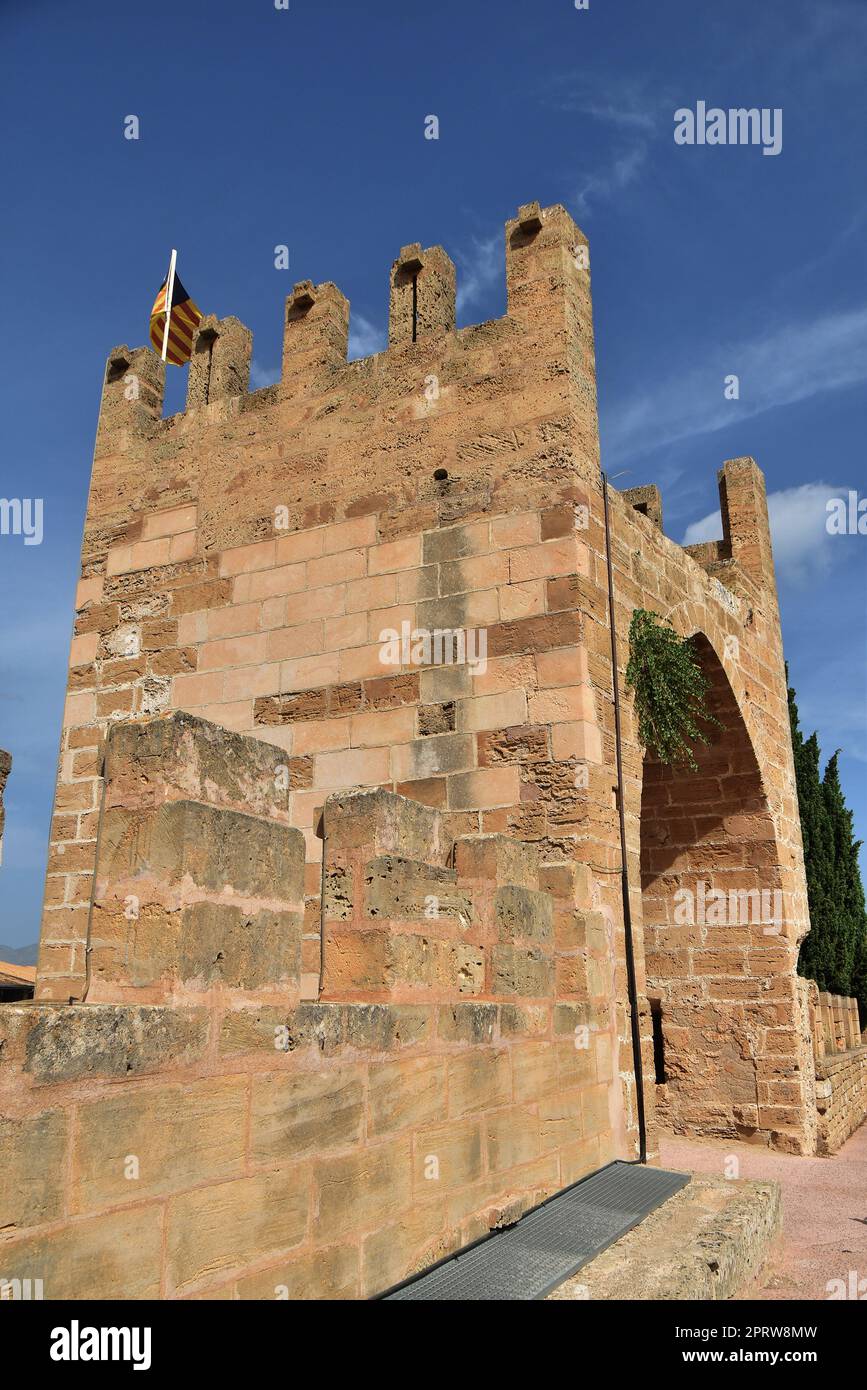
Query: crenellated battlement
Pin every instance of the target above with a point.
(548, 308)
(546, 277)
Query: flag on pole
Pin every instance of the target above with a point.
(172, 337)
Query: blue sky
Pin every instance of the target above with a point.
(305, 127)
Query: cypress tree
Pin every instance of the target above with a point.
(851, 937)
(859, 979)
(834, 952)
(816, 949)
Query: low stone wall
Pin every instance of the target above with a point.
(196, 1128)
(836, 1025)
(840, 1054)
(841, 1097)
(705, 1243)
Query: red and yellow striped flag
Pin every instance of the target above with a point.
(184, 320)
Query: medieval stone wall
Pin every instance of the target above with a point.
(194, 1130)
(840, 1051)
(841, 1097)
(246, 560)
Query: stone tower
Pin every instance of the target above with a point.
(271, 561)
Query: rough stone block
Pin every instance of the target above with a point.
(32, 1169)
(419, 1238)
(56, 1044)
(213, 849)
(406, 890)
(523, 914)
(361, 1191)
(294, 1116)
(115, 1256)
(179, 756)
(467, 1022)
(160, 1140)
(447, 1157)
(186, 892)
(479, 1080)
(238, 949)
(384, 823)
(406, 1094)
(521, 970)
(513, 1138)
(497, 859)
(229, 1224)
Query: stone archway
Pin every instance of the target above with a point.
(720, 967)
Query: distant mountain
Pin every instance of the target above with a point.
(20, 955)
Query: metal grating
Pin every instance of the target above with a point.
(550, 1244)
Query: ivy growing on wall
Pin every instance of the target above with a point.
(670, 690)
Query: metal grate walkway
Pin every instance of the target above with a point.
(548, 1245)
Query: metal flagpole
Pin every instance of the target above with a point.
(170, 289)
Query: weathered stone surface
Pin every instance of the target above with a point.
(238, 949)
(498, 858)
(295, 1116)
(229, 1224)
(214, 849)
(705, 1242)
(58, 1044)
(360, 1191)
(385, 1026)
(386, 823)
(187, 893)
(337, 894)
(159, 1140)
(105, 1257)
(181, 756)
(406, 1094)
(329, 1274)
(270, 1029)
(33, 1158)
(521, 970)
(479, 1081)
(522, 913)
(841, 1096)
(418, 1239)
(474, 1023)
(405, 889)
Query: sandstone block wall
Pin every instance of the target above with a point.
(840, 1051)
(194, 1130)
(841, 1097)
(245, 561)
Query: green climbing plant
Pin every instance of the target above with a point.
(670, 690)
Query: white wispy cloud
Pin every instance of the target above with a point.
(850, 229)
(613, 98)
(614, 176)
(633, 112)
(786, 364)
(480, 268)
(263, 376)
(803, 549)
(365, 337)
